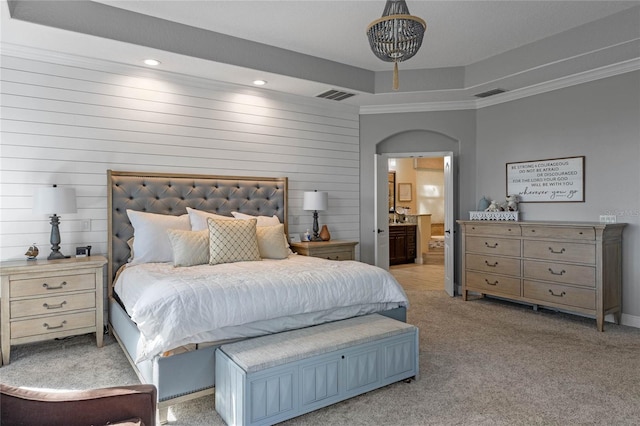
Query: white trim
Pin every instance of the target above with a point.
(630, 320)
(536, 89)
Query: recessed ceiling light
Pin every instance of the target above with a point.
(259, 82)
(152, 62)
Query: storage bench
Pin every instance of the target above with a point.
(273, 378)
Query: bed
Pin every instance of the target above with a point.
(182, 366)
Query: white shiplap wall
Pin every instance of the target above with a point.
(67, 121)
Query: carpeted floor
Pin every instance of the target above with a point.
(482, 362)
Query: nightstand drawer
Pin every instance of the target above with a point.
(52, 324)
(335, 255)
(52, 304)
(51, 284)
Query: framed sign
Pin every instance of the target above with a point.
(404, 192)
(547, 181)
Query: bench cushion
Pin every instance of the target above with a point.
(269, 351)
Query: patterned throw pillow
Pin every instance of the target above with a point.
(271, 243)
(232, 241)
(189, 247)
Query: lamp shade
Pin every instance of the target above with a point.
(54, 200)
(315, 200)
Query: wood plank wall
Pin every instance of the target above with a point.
(67, 122)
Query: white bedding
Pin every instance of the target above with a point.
(176, 306)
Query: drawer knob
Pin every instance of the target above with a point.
(53, 327)
(556, 295)
(490, 246)
(493, 265)
(493, 283)
(556, 252)
(557, 273)
(48, 287)
(58, 306)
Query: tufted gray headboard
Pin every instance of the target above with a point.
(173, 193)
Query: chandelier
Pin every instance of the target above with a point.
(396, 36)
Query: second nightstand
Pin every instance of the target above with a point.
(45, 299)
(332, 250)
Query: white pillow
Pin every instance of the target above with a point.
(189, 247)
(262, 220)
(270, 242)
(198, 218)
(232, 241)
(150, 240)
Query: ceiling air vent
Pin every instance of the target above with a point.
(335, 95)
(490, 93)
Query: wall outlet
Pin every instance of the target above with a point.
(86, 224)
(607, 218)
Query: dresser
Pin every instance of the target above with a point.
(47, 299)
(571, 266)
(402, 243)
(332, 249)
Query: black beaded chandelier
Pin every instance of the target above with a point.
(396, 36)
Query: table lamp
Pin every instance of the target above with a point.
(314, 200)
(53, 200)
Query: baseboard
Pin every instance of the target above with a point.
(630, 320)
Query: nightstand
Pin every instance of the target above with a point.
(48, 299)
(332, 249)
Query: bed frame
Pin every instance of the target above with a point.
(190, 374)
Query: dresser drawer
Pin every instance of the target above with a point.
(561, 273)
(560, 251)
(52, 304)
(490, 245)
(493, 283)
(51, 285)
(560, 294)
(52, 324)
(493, 229)
(492, 264)
(560, 233)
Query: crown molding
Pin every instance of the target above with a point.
(536, 89)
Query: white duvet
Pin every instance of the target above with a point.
(175, 306)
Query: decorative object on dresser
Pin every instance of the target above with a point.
(332, 250)
(53, 200)
(44, 300)
(570, 266)
(315, 201)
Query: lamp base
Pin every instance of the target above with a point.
(57, 255)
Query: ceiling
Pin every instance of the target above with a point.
(306, 47)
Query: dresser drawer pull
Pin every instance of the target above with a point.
(493, 283)
(557, 273)
(48, 287)
(50, 327)
(491, 265)
(556, 295)
(556, 252)
(489, 246)
(58, 306)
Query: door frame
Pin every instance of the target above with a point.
(381, 204)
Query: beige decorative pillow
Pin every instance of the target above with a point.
(270, 242)
(232, 241)
(189, 247)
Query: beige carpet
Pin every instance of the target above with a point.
(482, 362)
